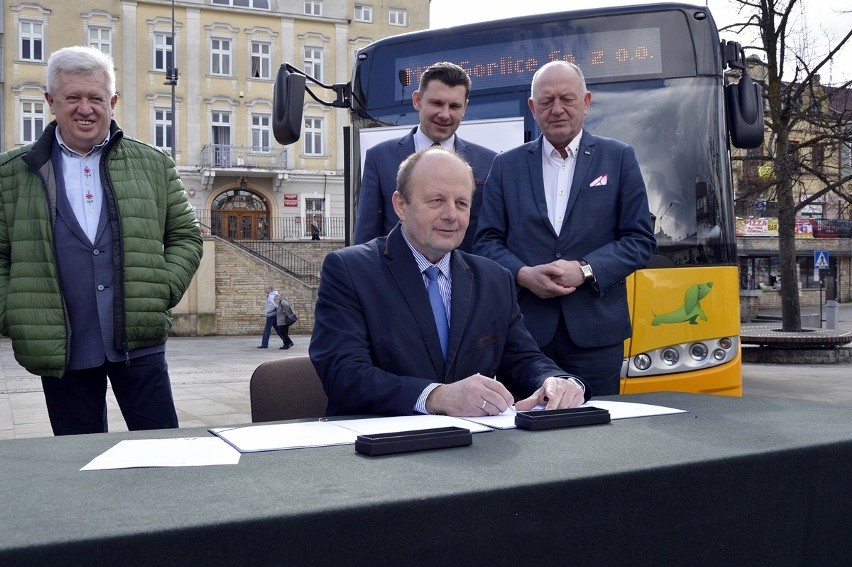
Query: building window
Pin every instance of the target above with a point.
(313, 136)
(32, 41)
(32, 121)
(261, 138)
(818, 158)
(101, 38)
(163, 53)
(257, 4)
(261, 60)
(397, 17)
(313, 7)
(314, 214)
(221, 122)
(845, 159)
(363, 13)
(163, 129)
(220, 56)
(313, 62)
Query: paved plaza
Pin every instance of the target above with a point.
(210, 380)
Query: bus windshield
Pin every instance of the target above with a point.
(676, 132)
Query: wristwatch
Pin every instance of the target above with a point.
(588, 274)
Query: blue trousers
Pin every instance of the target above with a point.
(267, 329)
(600, 368)
(76, 403)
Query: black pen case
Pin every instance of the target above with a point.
(415, 440)
(556, 418)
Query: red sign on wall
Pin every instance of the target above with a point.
(291, 200)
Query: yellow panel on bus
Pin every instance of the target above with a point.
(681, 306)
(685, 304)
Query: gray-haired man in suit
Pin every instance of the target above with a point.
(568, 215)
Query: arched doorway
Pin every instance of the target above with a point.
(239, 214)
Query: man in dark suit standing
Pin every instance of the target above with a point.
(440, 100)
(568, 215)
(377, 343)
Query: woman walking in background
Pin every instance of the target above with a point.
(284, 318)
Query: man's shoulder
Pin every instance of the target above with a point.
(141, 147)
(359, 252)
(476, 148)
(14, 153)
(523, 149)
(389, 145)
(590, 139)
(482, 265)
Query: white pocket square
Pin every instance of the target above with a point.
(599, 181)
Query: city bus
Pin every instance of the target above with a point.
(662, 81)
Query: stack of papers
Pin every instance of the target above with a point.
(323, 433)
(230, 442)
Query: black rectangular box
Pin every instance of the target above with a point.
(553, 419)
(416, 440)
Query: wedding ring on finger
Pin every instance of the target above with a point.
(484, 403)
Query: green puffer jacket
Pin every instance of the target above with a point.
(156, 234)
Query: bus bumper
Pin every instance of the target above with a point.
(722, 380)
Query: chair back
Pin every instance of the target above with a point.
(288, 388)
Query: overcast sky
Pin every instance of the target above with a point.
(821, 17)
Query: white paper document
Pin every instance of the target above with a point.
(617, 410)
(624, 410)
(183, 452)
(276, 437)
(374, 425)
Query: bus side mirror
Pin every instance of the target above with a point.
(744, 106)
(288, 100)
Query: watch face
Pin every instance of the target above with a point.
(587, 270)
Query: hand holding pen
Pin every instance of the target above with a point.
(476, 395)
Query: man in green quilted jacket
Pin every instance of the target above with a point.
(97, 243)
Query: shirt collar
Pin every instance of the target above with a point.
(422, 141)
(69, 151)
(423, 262)
(573, 146)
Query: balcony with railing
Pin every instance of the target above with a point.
(221, 156)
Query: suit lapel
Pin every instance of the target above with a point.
(537, 183)
(406, 146)
(581, 171)
(462, 301)
(403, 269)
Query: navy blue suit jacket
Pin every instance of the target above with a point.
(375, 215)
(375, 343)
(607, 223)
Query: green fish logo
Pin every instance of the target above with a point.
(691, 309)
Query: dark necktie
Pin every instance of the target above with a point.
(438, 310)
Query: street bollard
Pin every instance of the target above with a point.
(831, 314)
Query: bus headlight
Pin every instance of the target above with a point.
(683, 357)
(670, 356)
(698, 351)
(642, 361)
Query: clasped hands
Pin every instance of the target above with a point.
(480, 395)
(557, 278)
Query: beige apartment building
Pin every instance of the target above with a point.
(227, 53)
(217, 119)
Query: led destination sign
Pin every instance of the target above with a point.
(601, 55)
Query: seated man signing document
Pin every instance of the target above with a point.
(407, 324)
